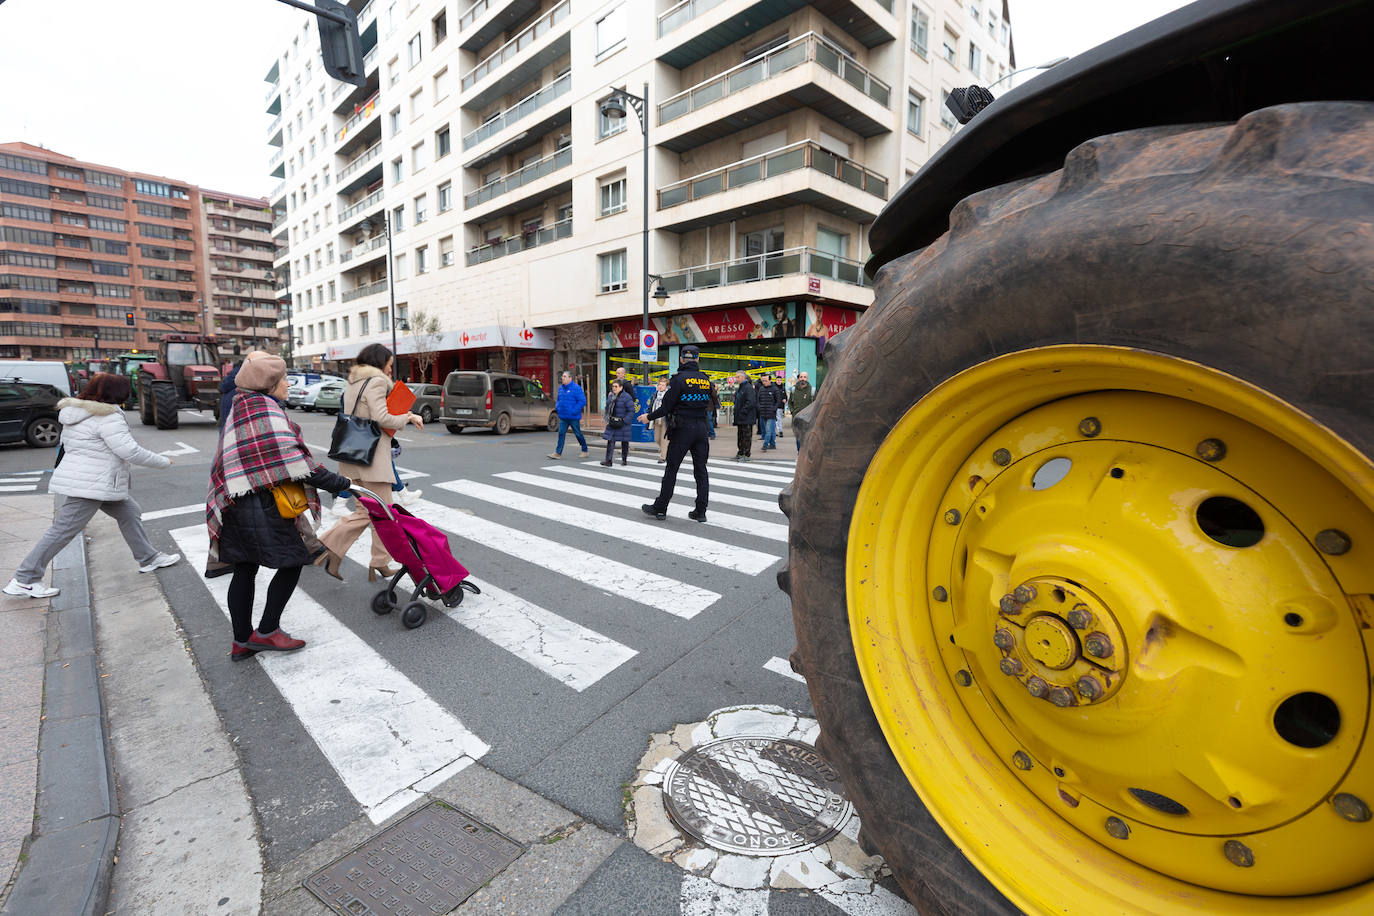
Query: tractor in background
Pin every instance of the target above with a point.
(185, 375)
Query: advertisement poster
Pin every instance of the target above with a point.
(761, 322)
(536, 365)
(825, 321)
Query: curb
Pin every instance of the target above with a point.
(76, 826)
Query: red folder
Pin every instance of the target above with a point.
(398, 403)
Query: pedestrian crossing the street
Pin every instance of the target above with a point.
(21, 482)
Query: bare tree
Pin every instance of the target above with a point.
(425, 333)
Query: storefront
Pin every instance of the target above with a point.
(527, 351)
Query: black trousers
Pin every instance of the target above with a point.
(241, 589)
(690, 436)
(744, 439)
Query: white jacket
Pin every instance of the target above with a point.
(97, 449)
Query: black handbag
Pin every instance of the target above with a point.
(355, 440)
(612, 421)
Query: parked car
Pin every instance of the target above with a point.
(329, 397)
(499, 401)
(28, 411)
(427, 399)
(44, 371)
(303, 396)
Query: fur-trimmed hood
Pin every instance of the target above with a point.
(74, 410)
(358, 373)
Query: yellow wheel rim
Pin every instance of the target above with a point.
(1112, 611)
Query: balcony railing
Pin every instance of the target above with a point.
(800, 155)
(361, 291)
(473, 13)
(370, 58)
(276, 157)
(789, 262)
(272, 90)
(357, 251)
(798, 51)
(532, 33)
(278, 221)
(274, 126)
(677, 16)
(360, 117)
(529, 103)
(519, 177)
(362, 206)
(279, 190)
(559, 230)
(367, 155)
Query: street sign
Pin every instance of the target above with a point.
(813, 285)
(648, 344)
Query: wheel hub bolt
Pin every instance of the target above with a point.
(1089, 688)
(939, 593)
(1089, 427)
(1079, 618)
(952, 516)
(1350, 807)
(1009, 605)
(1211, 450)
(1010, 666)
(1037, 687)
(1025, 594)
(1022, 760)
(1001, 457)
(1061, 697)
(1117, 828)
(1002, 639)
(1333, 542)
(963, 678)
(1098, 645)
(1238, 854)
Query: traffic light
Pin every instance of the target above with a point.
(340, 45)
(129, 318)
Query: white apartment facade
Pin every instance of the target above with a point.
(777, 130)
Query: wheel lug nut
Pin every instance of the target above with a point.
(1001, 457)
(1060, 697)
(1098, 645)
(1117, 828)
(1089, 688)
(939, 593)
(1037, 687)
(1089, 427)
(1024, 593)
(1333, 542)
(1022, 760)
(1350, 807)
(1002, 639)
(1010, 666)
(1238, 854)
(1079, 618)
(963, 678)
(1211, 450)
(1009, 605)
(952, 516)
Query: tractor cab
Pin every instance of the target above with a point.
(193, 367)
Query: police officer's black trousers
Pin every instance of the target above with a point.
(690, 436)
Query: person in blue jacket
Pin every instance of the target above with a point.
(569, 405)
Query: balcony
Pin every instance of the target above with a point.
(526, 106)
(772, 180)
(273, 91)
(539, 44)
(519, 178)
(366, 111)
(485, 19)
(276, 159)
(807, 72)
(695, 29)
(274, 131)
(362, 251)
(789, 262)
(278, 191)
(362, 208)
(373, 154)
(547, 235)
(368, 290)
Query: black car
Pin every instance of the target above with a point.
(28, 411)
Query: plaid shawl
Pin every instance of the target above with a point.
(260, 448)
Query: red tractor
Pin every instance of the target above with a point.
(185, 375)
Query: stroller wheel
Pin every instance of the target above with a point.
(470, 586)
(413, 615)
(384, 602)
(453, 597)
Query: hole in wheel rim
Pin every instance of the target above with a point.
(1050, 473)
(1230, 522)
(1308, 720)
(1162, 803)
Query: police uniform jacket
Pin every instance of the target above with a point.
(688, 396)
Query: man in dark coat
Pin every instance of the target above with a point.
(769, 402)
(801, 398)
(746, 414)
(685, 403)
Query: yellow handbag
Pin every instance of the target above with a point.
(290, 497)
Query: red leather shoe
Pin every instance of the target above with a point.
(239, 653)
(278, 640)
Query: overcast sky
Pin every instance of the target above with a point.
(175, 87)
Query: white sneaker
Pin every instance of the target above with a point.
(159, 561)
(407, 496)
(35, 590)
(341, 508)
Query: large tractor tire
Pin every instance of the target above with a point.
(1082, 545)
(164, 405)
(145, 404)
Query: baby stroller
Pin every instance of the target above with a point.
(424, 555)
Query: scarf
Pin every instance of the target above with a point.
(259, 448)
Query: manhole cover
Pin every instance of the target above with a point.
(756, 795)
(430, 862)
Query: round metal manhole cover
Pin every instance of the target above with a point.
(758, 796)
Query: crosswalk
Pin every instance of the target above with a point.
(21, 482)
(570, 531)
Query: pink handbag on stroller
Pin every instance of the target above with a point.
(424, 555)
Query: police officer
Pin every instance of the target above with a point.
(686, 404)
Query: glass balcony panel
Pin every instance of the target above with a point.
(828, 58)
(708, 93)
(878, 92)
(847, 272)
(675, 284)
(675, 109)
(876, 185)
(744, 271)
(854, 75)
(822, 265)
(740, 79)
(711, 184)
(851, 174)
(707, 277)
(788, 161)
(781, 265)
(825, 161)
(671, 197)
(745, 174)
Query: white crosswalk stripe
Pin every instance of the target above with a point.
(686, 489)
(766, 530)
(656, 537)
(21, 481)
(684, 475)
(383, 734)
(727, 468)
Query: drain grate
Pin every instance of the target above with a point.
(758, 796)
(430, 862)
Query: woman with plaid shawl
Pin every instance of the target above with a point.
(261, 449)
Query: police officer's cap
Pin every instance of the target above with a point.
(690, 353)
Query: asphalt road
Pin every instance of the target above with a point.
(554, 678)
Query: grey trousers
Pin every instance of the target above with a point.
(71, 519)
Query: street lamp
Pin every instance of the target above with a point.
(290, 330)
(615, 107)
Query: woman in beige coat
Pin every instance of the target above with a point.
(369, 383)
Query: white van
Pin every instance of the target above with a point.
(47, 371)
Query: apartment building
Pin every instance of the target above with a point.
(776, 132)
(238, 265)
(83, 246)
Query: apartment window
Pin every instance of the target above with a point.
(950, 49)
(394, 120)
(332, 290)
(440, 28)
(763, 241)
(413, 51)
(307, 263)
(398, 219)
(613, 196)
(445, 195)
(400, 267)
(310, 298)
(610, 31)
(831, 242)
(421, 260)
(362, 323)
(446, 251)
(915, 113)
(310, 334)
(975, 58)
(397, 170)
(417, 158)
(442, 142)
(333, 329)
(441, 84)
(974, 12)
(1006, 34)
(421, 209)
(415, 111)
(946, 117)
(607, 126)
(324, 176)
(344, 321)
(329, 253)
(920, 31)
(393, 72)
(612, 270)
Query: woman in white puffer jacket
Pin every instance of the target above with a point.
(93, 473)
